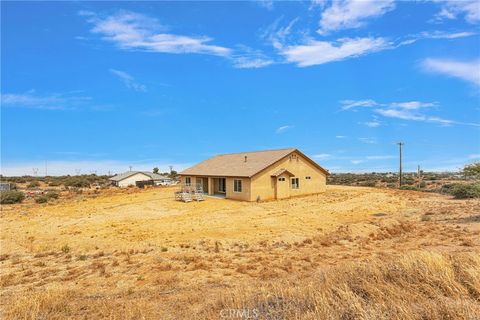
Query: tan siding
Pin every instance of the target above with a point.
(263, 185)
(244, 195)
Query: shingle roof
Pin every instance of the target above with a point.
(153, 176)
(234, 164)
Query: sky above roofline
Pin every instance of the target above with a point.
(101, 86)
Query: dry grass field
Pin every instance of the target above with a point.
(350, 253)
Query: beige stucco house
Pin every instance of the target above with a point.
(260, 175)
(130, 178)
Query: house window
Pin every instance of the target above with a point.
(237, 185)
(188, 181)
(295, 184)
(308, 177)
(281, 179)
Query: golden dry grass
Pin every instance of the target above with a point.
(348, 253)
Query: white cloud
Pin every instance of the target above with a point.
(322, 156)
(128, 80)
(474, 156)
(347, 14)
(412, 105)
(465, 70)
(409, 110)
(372, 124)
(133, 31)
(349, 104)
(368, 140)
(385, 157)
(44, 102)
(446, 35)
(283, 128)
(63, 167)
(340, 137)
(356, 161)
(319, 52)
(452, 9)
(267, 4)
(249, 58)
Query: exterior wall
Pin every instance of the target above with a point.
(244, 195)
(213, 186)
(263, 184)
(130, 181)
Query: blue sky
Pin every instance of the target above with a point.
(101, 86)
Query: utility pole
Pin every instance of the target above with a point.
(400, 144)
(418, 176)
(46, 171)
(130, 168)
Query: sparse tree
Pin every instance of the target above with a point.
(155, 170)
(472, 170)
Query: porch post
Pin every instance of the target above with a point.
(210, 186)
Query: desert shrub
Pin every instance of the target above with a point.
(66, 249)
(41, 199)
(77, 182)
(465, 191)
(54, 183)
(11, 196)
(423, 184)
(33, 184)
(52, 195)
(409, 188)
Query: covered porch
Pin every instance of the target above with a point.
(212, 186)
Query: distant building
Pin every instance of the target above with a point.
(261, 175)
(5, 186)
(130, 178)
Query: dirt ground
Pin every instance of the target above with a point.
(154, 257)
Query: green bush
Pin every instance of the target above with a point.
(33, 184)
(52, 195)
(54, 183)
(465, 191)
(12, 196)
(41, 199)
(77, 182)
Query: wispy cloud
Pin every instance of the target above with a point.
(137, 32)
(322, 156)
(465, 70)
(409, 110)
(474, 156)
(368, 140)
(247, 58)
(340, 137)
(347, 14)
(128, 80)
(381, 157)
(452, 9)
(356, 161)
(283, 129)
(315, 52)
(372, 124)
(267, 4)
(134, 31)
(44, 102)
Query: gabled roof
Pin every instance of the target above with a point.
(234, 164)
(282, 171)
(153, 176)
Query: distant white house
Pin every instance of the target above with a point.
(130, 178)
